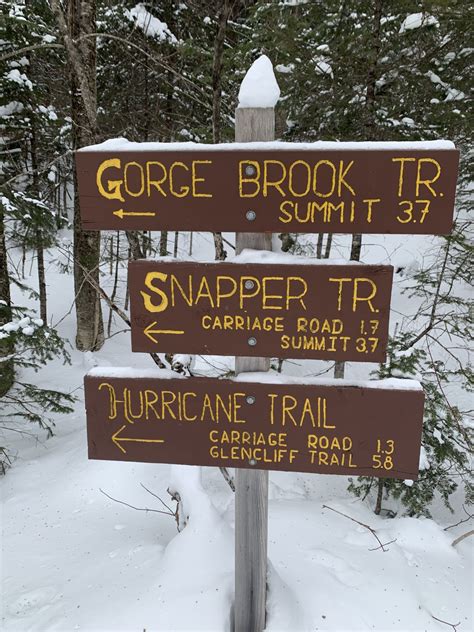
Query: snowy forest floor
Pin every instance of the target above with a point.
(73, 559)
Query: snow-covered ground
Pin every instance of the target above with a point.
(73, 559)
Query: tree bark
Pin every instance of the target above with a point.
(224, 13)
(136, 251)
(164, 243)
(221, 252)
(356, 247)
(175, 248)
(378, 504)
(370, 123)
(328, 246)
(41, 276)
(38, 232)
(7, 367)
(36, 188)
(82, 58)
(319, 246)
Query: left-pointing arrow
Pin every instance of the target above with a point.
(149, 331)
(121, 213)
(119, 440)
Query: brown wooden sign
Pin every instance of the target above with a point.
(333, 312)
(244, 189)
(365, 429)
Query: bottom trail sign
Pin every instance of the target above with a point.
(365, 428)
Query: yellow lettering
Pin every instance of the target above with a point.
(195, 179)
(155, 183)
(401, 175)
(113, 186)
(250, 165)
(141, 176)
(149, 306)
(427, 182)
(184, 190)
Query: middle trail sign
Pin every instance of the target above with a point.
(325, 311)
(404, 188)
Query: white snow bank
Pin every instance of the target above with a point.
(259, 88)
(201, 599)
(391, 383)
(123, 371)
(265, 257)
(122, 144)
(417, 20)
(422, 535)
(249, 256)
(151, 26)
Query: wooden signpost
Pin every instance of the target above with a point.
(370, 429)
(333, 312)
(260, 310)
(290, 187)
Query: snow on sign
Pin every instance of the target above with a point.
(333, 312)
(367, 428)
(269, 187)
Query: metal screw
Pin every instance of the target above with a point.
(251, 215)
(250, 399)
(249, 170)
(252, 462)
(249, 285)
(252, 341)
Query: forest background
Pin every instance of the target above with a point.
(78, 72)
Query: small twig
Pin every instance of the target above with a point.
(362, 524)
(160, 499)
(453, 625)
(469, 517)
(228, 477)
(376, 548)
(462, 537)
(147, 509)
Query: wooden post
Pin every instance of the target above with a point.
(251, 495)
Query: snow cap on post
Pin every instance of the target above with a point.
(259, 88)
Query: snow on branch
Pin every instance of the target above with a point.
(150, 25)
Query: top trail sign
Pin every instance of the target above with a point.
(401, 188)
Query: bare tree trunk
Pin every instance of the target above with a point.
(356, 247)
(378, 504)
(319, 246)
(175, 249)
(38, 229)
(136, 251)
(370, 126)
(191, 235)
(374, 54)
(328, 246)
(81, 51)
(224, 13)
(7, 367)
(221, 252)
(114, 288)
(41, 276)
(127, 288)
(163, 243)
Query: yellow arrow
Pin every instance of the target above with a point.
(121, 213)
(149, 331)
(117, 440)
